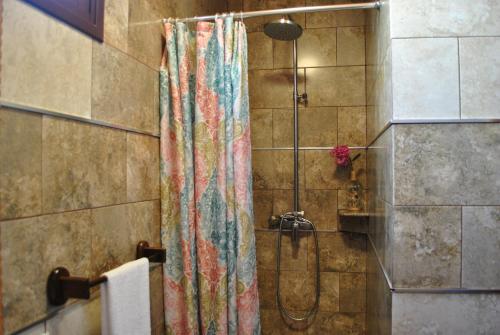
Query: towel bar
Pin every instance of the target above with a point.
(61, 285)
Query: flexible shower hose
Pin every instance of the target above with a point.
(282, 308)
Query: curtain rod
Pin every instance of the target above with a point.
(285, 11)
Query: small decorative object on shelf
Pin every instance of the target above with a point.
(354, 190)
(343, 159)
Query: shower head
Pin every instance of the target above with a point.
(283, 29)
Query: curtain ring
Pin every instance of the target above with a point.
(241, 16)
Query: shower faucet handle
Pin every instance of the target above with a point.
(302, 98)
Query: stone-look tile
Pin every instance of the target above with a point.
(316, 47)
(381, 231)
(123, 90)
(156, 298)
(430, 67)
(480, 77)
(378, 298)
(262, 207)
(80, 319)
(116, 231)
(322, 173)
(329, 289)
(380, 166)
(267, 288)
(351, 46)
(338, 323)
(35, 330)
(336, 86)
(143, 167)
(260, 51)
(292, 258)
(446, 18)
(273, 88)
(265, 242)
(274, 169)
(352, 292)
(480, 247)
(82, 165)
(445, 314)
(338, 252)
(20, 164)
(320, 207)
(43, 81)
(427, 242)
(297, 290)
(28, 257)
(447, 164)
(318, 127)
(261, 123)
(352, 126)
(145, 39)
(283, 127)
(347, 18)
(116, 14)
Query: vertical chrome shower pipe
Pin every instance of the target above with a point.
(295, 131)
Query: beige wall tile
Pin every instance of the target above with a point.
(144, 35)
(35, 330)
(116, 13)
(338, 252)
(446, 164)
(339, 323)
(480, 247)
(329, 301)
(272, 88)
(429, 67)
(274, 169)
(83, 165)
(37, 74)
(322, 173)
(263, 207)
(292, 258)
(447, 18)
(351, 46)
(427, 247)
(267, 288)
(316, 47)
(320, 207)
(112, 240)
(352, 292)
(20, 164)
(80, 319)
(318, 127)
(448, 313)
(123, 90)
(28, 258)
(479, 77)
(261, 123)
(352, 126)
(143, 167)
(266, 250)
(271, 4)
(260, 51)
(336, 86)
(334, 19)
(283, 128)
(297, 290)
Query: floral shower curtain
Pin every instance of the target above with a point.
(210, 278)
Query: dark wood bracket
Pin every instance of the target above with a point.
(61, 285)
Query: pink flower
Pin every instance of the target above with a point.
(341, 155)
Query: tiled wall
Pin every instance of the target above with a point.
(74, 193)
(433, 187)
(331, 57)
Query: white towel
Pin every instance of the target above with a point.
(125, 300)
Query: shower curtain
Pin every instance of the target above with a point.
(210, 278)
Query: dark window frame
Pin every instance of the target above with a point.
(89, 20)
